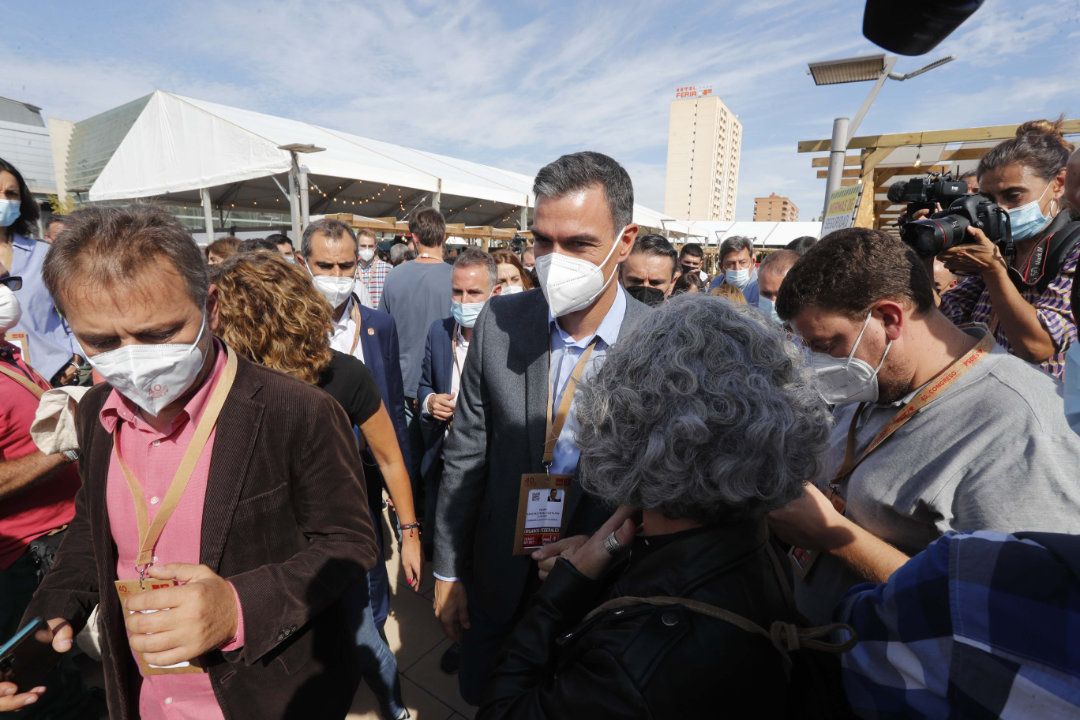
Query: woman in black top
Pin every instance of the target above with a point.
(269, 312)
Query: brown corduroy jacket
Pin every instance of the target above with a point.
(285, 520)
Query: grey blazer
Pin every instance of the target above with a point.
(497, 436)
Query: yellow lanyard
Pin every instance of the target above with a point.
(24, 381)
(928, 394)
(149, 535)
(555, 425)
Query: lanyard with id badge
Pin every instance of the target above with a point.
(541, 517)
(802, 559)
(149, 533)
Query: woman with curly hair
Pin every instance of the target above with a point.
(269, 312)
(700, 422)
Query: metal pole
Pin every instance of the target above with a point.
(871, 96)
(304, 200)
(436, 202)
(208, 214)
(294, 201)
(837, 152)
(523, 221)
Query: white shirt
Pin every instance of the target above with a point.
(341, 336)
(461, 350)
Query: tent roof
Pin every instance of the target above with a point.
(179, 145)
(764, 234)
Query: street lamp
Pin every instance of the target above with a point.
(298, 181)
(858, 69)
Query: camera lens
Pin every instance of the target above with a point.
(935, 234)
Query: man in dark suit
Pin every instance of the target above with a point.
(525, 353)
(473, 281)
(329, 252)
(269, 527)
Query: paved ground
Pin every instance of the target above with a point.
(418, 642)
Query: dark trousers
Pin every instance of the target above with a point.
(482, 644)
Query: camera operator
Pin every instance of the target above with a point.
(1023, 299)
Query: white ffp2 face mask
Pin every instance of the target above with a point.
(848, 380)
(10, 310)
(152, 376)
(367, 254)
(571, 284)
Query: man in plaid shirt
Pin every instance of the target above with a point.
(979, 625)
(370, 269)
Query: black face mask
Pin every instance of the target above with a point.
(643, 293)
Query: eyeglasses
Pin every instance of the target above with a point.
(14, 282)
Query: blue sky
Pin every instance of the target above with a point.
(515, 84)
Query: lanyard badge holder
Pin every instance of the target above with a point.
(802, 559)
(150, 532)
(541, 516)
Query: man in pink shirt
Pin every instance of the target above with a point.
(232, 486)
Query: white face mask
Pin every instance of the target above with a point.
(1071, 386)
(10, 310)
(571, 284)
(367, 254)
(512, 289)
(768, 308)
(738, 278)
(152, 376)
(851, 380)
(336, 290)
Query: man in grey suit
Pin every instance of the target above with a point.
(525, 352)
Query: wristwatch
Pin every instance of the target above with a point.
(72, 455)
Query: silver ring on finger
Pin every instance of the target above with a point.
(612, 544)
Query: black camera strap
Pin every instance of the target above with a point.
(1049, 255)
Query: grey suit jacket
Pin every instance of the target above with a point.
(497, 436)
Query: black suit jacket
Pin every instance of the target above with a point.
(383, 359)
(436, 376)
(285, 521)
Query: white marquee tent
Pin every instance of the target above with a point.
(195, 152)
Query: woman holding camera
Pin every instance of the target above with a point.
(1024, 299)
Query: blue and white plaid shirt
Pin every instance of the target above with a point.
(981, 625)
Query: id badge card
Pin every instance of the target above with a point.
(127, 588)
(802, 561)
(541, 516)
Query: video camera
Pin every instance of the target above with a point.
(942, 230)
(926, 193)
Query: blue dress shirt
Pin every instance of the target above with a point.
(565, 353)
(49, 340)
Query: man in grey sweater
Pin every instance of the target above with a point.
(416, 294)
(937, 428)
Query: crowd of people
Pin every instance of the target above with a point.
(834, 480)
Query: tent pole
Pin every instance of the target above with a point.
(523, 223)
(294, 201)
(208, 214)
(304, 200)
(437, 200)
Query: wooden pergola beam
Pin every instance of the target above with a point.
(849, 161)
(930, 137)
(854, 172)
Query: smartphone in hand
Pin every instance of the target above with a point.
(28, 656)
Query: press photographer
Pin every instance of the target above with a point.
(1018, 250)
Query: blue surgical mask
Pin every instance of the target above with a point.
(1027, 220)
(738, 278)
(9, 212)
(1071, 387)
(465, 314)
(768, 308)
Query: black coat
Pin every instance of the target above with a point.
(646, 661)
